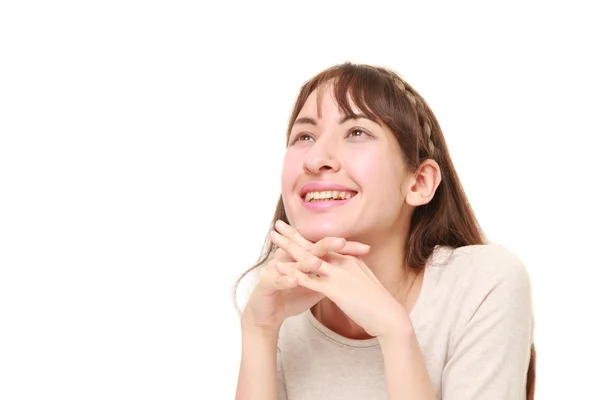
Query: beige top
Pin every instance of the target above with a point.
(473, 321)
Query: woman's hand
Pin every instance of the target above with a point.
(344, 279)
(278, 296)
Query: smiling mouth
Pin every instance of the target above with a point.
(328, 195)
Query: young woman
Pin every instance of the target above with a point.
(377, 282)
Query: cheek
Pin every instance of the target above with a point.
(292, 168)
(378, 174)
(367, 166)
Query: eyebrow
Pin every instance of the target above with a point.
(305, 120)
(310, 121)
(354, 116)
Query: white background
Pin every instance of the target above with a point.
(140, 153)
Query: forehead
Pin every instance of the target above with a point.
(322, 101)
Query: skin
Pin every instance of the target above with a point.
(277, 297)
(364, 156)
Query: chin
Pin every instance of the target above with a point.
(315, 232)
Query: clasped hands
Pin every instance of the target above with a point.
(344, 279)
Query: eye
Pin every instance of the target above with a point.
(357, 132)
(302, 137)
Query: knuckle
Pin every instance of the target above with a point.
(282, 268)
(315, 249)
(308, 261)
(279, 254)
(301, 265)
(332, 243)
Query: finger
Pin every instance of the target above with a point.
(285, 282)
(273, 280)
(281, 256)
(324, 245)
(311, 265)
(309, 281)
(339, 245)
(319, 249)
(356, 249)
(292, 234)
(296, 252)
(291, 248)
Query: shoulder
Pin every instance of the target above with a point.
(480, 279)
(479, 288)
(487, 265)
(483, 308)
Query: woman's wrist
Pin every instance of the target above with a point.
(251, 328)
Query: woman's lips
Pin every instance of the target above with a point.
(325, 204)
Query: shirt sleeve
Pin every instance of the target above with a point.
(281, 388)
(491, 348)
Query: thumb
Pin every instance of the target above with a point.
(355, 249)
(326, 245)
(339, 245)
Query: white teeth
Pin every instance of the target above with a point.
(325, 195)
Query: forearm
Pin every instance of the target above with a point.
(405, 370)
(257, 378)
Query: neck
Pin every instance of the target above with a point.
(386, 261)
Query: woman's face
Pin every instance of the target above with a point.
(342, 177)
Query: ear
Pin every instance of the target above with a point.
(425, 182)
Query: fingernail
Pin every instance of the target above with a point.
(279, 224)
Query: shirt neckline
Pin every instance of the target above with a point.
(374, 342)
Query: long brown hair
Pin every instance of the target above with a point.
(382, 95)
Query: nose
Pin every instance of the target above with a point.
(322, 156)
